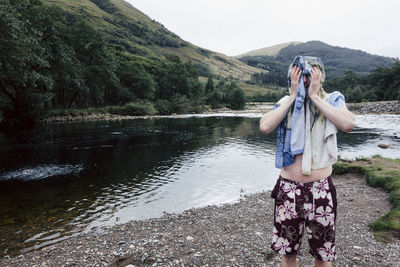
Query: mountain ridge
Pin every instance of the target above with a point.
(274, 50)
(337, 60)
(267, 51)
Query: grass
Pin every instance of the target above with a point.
(177, 105)
(252, 90)
(383, 173)
(117, 26)
(76, 112)
(130, 109)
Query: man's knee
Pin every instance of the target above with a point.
(289, 258)
(319, 263)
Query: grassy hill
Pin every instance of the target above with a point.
(267, 51)
(126, 26)
(337, 60)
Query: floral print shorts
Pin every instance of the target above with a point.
(305, 208)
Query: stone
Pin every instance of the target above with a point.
(384, 146)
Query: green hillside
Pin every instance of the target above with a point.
(337, 60)
(126, 26)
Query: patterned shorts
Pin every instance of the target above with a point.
(308, 208)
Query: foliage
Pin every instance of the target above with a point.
(179, 104)
(210, 87)
(236, 98)
(139, 108)
(267, 97)
(75, 112)
(23, 64)
(57, 63)
(176, 77)
(226, 93)
(381, 84)
(136, 81)
(277, 72)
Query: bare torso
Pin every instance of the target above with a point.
(293, 172)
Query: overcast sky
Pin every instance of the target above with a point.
(233, 27)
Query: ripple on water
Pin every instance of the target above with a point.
(41, 172)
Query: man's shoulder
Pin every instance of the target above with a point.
(281, 101)
(335, 98)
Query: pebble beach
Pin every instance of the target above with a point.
(235, 234)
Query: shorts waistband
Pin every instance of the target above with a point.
(304, 184)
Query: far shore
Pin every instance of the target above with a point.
(379, 107)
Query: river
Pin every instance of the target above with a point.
(59, 180)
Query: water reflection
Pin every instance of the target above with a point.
(62, 179)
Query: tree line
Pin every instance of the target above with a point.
(381, 84)
(52, 60)
(378, 85)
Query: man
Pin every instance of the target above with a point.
(305, 198)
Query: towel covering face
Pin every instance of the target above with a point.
(305, 130)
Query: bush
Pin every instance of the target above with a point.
(236, 99)
(178, 104)
(139, 108)
(163, 106)
(75, 112)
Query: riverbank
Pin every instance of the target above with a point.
(237, 234)
(381, 107)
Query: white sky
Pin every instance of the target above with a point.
(233, 27)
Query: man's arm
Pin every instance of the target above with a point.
(272, 119)
(341, 117)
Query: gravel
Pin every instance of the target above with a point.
(236, 234)
(379, 107)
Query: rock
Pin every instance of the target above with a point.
(189, 238)
(382, 145)
(198, 254)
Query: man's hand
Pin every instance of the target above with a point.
(294, 80)
(315, 83)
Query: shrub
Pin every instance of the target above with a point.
(139, 108)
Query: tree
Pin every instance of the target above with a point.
(137, 81)
(210, 87)
(236, 96)
(22, 66)
(96, 63)
(176, 77)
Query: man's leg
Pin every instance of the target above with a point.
(288, 261)
(319, 263)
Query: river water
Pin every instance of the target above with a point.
(62, 179)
